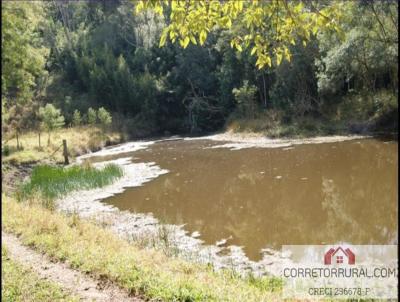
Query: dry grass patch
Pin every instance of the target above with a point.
(80, 140)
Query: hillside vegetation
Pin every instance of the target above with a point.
(315, 69)
(96, 73)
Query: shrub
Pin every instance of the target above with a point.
(6, 150)
(104, 117)
(76, 118)
(92, 116)
(52, 118)
(85, 119)
(245, 98)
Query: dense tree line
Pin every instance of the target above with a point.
(81, 55)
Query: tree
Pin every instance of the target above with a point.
(23, 54)
(104, 117)
(268, 28)
(92, 116)
(245, 98)
(17, 120)
(40, 126)
(103, 55)
(37, 123)
(367, 56)
(76, 118)
(52, 118)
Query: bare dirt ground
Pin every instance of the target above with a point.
(12, 175)
(72, 281)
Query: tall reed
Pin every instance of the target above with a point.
(53, 182)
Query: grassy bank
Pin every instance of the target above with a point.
(21, 284)
(80, 140)
(299, 128)
(147, 273)
(52, 182)
(355, 113)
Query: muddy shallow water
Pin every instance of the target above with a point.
(268, 197)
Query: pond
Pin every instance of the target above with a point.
(268, 197)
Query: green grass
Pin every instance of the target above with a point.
(53, 182)
(21, 284)
(146, 273)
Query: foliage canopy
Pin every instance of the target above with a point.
(268, 28)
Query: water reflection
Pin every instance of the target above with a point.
(310, 194)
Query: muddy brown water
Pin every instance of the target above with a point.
(259, 197)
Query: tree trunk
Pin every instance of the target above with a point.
(48, 140)
(265, 91)
(39, 140)
(65, 152)
(395, 81)
(17, 140)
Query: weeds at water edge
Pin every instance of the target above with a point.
(52, 182)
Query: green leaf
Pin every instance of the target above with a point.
(159, 9)
(139, 7)
(185, 42)
(173, 5)
(193, 39)
(203, 37)
(287, 54)
(229, 23)
(259, 63)
(315, 29)
(278, 58)
(163, 38)
(269, 61)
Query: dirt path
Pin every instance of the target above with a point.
(74, 282)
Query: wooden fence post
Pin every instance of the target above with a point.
(65, 152)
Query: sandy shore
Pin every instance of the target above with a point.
(119, 149)
(238, 141)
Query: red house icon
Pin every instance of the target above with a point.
(338, 255)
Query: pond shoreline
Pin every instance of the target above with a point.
(147, 231)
